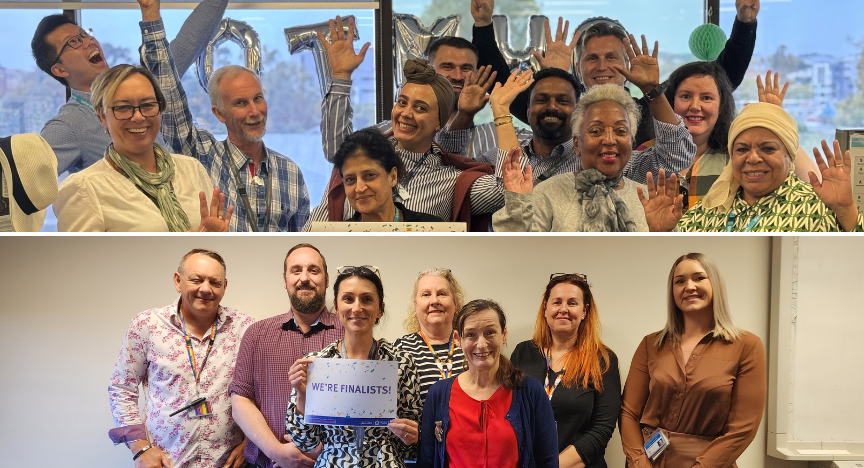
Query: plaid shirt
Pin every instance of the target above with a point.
(289, 204)
(267, 351)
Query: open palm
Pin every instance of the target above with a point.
(835, 190)
(665, 206)
(516, 180)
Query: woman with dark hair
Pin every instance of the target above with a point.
(701, 381)
(701, 93)
(491, 414)
(359, 304)
(580, 372)
(371, 171)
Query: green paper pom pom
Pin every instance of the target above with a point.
(707, 41)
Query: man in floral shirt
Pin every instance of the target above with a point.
(184, 355)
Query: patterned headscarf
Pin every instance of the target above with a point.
(418, 71)
(761, 114)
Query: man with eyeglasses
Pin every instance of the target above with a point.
(184, 355)
(266, 188)
(72, 56)
(261, 387)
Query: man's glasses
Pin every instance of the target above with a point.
(125, 112)
(350, 270)
(74, 42)
(566, 276)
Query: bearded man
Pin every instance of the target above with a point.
(260, 389)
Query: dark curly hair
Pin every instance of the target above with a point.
(726, 114)
(372, 144)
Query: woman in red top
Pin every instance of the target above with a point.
(491, 415)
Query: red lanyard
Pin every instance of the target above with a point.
(191, 352)
(438, 361)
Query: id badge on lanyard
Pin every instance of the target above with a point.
(198, 407)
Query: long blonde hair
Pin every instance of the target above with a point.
(411, 324)
(584, 361)
(723, 326)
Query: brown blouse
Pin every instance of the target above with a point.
(719, 395)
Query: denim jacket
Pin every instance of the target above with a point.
(530, 415)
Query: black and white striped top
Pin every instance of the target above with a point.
(427, 370)
(431, 188)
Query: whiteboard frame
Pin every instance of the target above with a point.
(781, 364)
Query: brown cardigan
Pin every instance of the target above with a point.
(471, 171)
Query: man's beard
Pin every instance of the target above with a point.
(309, 306)
(551, 134)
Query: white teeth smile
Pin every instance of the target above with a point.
(602, 79)
(755, 174)
(405, 127)
(137, 130)
(482, 354)
(551, 119)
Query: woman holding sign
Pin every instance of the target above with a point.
(492, 414)
(580, 373)
(359, 305)
(696, 389)
(431, 313)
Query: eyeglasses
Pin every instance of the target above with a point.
(568, 275)
(350, 270)
(75, 42)
(148, 109)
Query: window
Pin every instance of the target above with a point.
(822, 63)
(290, 81)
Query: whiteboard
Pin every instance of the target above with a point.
(816, 383)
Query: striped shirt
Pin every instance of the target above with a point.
(477, 140)
(673, 152)
(289, 204)
(431, 188)
(427, 370)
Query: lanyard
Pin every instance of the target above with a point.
(730, 222)
(241, 189)
(83, 103)
(438, 361)
(396, 216)
(551, 389)
(413, 171)
(191, 352)
(359, 431)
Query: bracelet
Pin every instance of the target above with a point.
(141, 452)
(504, 122)
(502, 117)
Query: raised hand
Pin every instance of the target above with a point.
(665, 206)
(835, 190)
(503, 96)
(474, 92)
(515, 180)
(406, 430)
(559, 54)
(747, 10)
(297, 375)
(149, 10)
(644, 71)
(771, 93)
(343, 59)
(481, 11)
(213, 219)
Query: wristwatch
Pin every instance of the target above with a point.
(657, 91)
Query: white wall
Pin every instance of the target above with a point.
(65, 304)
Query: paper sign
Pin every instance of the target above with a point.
(351, 392)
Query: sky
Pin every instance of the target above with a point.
(804, 26)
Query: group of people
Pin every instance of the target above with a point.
(595, 158)
(222, 391)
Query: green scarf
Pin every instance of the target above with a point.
(156, 186)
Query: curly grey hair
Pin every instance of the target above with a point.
(606, 92)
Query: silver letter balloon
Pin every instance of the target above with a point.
(302, 38)
(411, 39)
(239, 33)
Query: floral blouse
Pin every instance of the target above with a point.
(381, 447)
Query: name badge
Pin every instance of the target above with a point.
(403, 194)
(656, 444)
(200, 410)
(257, 180)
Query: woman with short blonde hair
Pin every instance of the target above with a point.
(429, 321)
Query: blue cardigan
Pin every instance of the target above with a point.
(530, 415)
